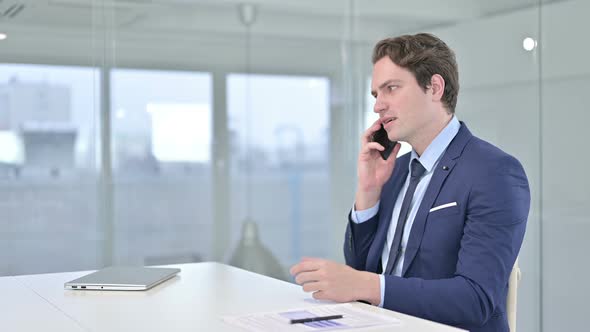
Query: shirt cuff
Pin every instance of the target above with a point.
(382, 283)
(364, 215)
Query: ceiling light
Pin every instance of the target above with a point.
(529, 44)
(3, 36)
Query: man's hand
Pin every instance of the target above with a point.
(337, 282)
(373, 171)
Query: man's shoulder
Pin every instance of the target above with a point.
(470, 144)
(479, 145)
(484, 155)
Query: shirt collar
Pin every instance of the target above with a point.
(437, 147)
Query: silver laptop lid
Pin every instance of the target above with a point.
(122, 278)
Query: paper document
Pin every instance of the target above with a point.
(352, 317)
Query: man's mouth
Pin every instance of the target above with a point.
(385, 121)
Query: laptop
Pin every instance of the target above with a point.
(122, 278)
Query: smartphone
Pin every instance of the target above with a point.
(380, 136)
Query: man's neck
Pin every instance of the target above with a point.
(424, 141)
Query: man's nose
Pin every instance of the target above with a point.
(379, 106)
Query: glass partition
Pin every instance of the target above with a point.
(50, 98)
(155, 132)
(161, 160)
(279, 162)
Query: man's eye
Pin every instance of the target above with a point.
(392, 87)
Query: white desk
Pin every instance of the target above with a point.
(192, 301)
(23, 310)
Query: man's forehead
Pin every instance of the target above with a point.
(381, 82)
(383, 73)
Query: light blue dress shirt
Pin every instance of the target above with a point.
(429, 160)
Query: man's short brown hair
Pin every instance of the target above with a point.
(423, 55)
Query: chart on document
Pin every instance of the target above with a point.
(351, 317)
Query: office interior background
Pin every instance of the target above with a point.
(145, 132)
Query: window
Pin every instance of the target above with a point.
(279, 127)
(47, 116)
(161, 154)
(48, 161)
(162, 120)
(180, 132)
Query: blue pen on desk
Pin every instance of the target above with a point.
(314, 319)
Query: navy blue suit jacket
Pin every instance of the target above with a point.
(458, 259)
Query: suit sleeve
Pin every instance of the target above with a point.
(497, 211)
(357, 241)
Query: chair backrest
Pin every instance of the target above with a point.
(511, 300)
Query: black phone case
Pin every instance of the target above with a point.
(380, 136)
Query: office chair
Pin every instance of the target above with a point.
(511, 300)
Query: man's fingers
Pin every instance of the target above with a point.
(304, 277)
(313, 286)
(320, 295)
(372, 146)
(298, 268)
(368, 134)
(309, 264)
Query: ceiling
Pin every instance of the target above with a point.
(288, 36)
(307, 19)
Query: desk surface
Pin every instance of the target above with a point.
(21, 309)
(192, 301)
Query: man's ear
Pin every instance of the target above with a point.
(437, 84)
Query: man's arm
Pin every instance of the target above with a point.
(497, 211)
(372, 172)
(357, 241)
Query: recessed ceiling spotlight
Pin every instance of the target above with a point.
(529, 44)
(3, 36)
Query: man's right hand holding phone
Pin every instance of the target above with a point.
(373, 170)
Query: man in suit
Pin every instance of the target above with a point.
(435, 232)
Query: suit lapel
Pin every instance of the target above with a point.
(443, 169)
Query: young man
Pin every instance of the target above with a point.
(435, 232)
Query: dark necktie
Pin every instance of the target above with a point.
(416, 173)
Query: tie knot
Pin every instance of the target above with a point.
(417, 169)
